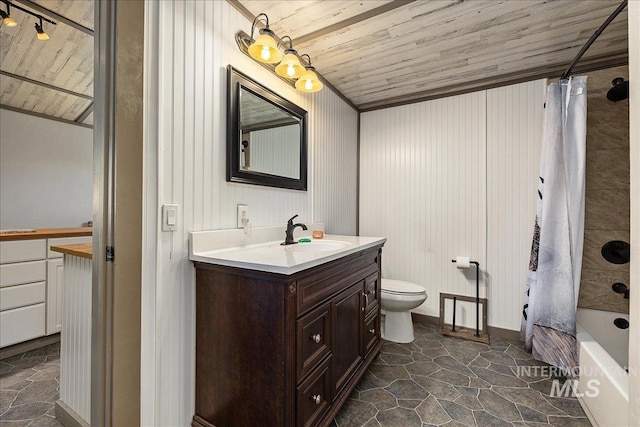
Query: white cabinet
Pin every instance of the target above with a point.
(22, 290)
(55, 282)
(31, 288)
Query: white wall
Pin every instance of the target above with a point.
(455, 176)
(46, 172)
(189, 45)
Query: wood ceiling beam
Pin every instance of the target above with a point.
(86, 113)
(369, 14)
(46, 85)
(552, 71)
(54, 15)
(43, 116)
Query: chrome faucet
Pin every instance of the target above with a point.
(289, 233)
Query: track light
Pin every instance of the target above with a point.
(10, 22)
(6, 17)
(264, 48)
(41, 34)
(290, 66)
(309, 81)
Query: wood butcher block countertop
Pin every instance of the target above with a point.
(82, 250)
(44, 233)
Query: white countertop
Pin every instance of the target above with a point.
(269, 255)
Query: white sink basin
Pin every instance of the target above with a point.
(261, 249)
(318, 246)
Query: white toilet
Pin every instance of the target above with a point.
(398, 298)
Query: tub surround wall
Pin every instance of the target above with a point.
(607, 215)
(185, 149)
(456, 176)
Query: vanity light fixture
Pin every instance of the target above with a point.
(309, 81)
(10, 22)
(290, 67)
(6, 17)
(264, 48)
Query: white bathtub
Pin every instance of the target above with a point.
(603, 389)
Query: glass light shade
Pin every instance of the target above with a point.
(309, 82)
(43, 36)
(265, 49)
(290, 66)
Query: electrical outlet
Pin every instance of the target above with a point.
(243, 212)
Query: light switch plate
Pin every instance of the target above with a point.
(170, 217)
(243, 212)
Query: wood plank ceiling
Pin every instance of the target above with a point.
(376, 53)
(51, 78)
(379, 53)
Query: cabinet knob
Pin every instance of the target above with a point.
(372, 331)
(316, 399)
(317, 338)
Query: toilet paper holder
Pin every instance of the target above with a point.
(464, 263)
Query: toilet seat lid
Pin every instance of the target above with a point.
(400, 287)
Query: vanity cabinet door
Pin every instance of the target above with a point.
(372, 292)
(346, 321)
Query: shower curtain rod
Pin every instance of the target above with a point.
(587, 45)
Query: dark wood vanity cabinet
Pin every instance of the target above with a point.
(284, 350)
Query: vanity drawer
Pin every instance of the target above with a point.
(372, 292)
(331, 279)
(22, 272)
(371, 332)
(313, 340)
(22, 295)
(313, 396)
(22, 250)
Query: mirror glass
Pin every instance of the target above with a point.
(266, 136)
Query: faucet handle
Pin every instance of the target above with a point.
(290, 222)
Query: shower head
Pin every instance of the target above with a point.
(619, 91)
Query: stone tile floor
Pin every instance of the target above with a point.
(435, 380)
(29, 387)
(439, 380)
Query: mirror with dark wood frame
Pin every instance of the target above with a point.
(266, 136)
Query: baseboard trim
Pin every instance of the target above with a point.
(494, 332)
(23, 347)
(68, 417)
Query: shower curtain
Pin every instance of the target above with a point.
(553, 282)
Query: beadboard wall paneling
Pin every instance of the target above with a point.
(514, 132)
(334, 126)
(456, 176)
(195, 43)
(275, 151)
(422, 186)
(75, 351)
